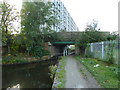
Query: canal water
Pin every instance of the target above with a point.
(35, 75)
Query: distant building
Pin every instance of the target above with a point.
(66, 21)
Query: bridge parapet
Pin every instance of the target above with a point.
(68, 36)
(73, 36)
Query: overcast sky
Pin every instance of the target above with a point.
(84, 11)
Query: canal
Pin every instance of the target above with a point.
(35, 75)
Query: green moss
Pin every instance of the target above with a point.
(106, 75)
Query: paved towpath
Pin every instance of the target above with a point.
(75, 78)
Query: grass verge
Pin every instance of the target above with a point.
(105, 74)
(60, 74)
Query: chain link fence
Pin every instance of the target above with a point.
(106, 51)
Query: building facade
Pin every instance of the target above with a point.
(66, 21)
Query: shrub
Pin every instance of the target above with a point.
(53, 71)
(110, 53)
(39, 51)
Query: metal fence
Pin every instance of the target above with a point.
(107, 51)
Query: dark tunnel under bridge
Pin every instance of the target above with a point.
(61, 48)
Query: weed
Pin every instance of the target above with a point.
(105, 75)
(60, 73)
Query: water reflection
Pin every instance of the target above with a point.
(28, 76)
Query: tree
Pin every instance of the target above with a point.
(113, 36)
(8, 16)
(90, 35)
(37, 21)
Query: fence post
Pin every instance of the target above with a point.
(91, 47)
(102, 50)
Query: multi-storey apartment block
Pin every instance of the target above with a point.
(66, 21)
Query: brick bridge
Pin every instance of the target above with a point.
(60, 47)
(65, 39)
(68, 36)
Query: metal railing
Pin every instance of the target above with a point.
(104, 50)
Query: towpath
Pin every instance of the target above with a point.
(77, 76)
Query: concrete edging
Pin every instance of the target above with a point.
(56, 82)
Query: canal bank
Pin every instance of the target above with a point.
(32, 62)
(59, 79)
(28, 75)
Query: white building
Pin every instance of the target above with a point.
(66, 21)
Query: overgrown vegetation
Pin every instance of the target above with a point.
(12, 60)
(110, 57)
(93, 34)
(60, 73)
(37, 20)
(19, 58)
(53, 69)
(106, 74)
(8, 15)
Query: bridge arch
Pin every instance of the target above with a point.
(61, 47)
